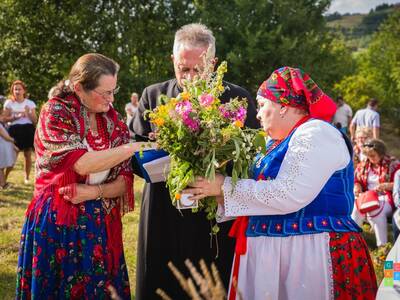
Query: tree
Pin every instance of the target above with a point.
(258, 39)
(378, 71)
(40, 47)
(41, 39)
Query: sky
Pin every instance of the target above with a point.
(356, 6)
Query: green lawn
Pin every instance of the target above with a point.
(14, 201)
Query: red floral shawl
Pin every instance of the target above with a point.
(61, 129)
(388, 166)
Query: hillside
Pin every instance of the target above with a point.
(357, 29)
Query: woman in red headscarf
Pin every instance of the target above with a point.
(295, 236)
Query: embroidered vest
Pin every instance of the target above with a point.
(328, 212)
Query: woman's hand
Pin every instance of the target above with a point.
(357, 189)
(385, 186)
(137, 146)
(78, 193)
(203, 188)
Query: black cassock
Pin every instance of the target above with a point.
(165, 233)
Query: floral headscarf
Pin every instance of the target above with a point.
(293, 87)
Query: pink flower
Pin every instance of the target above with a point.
(193, 125)
(206, 99)
(183, 108)
(241, 114)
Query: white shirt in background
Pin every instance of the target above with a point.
(133, 109)
(343, 115)
(19, 108)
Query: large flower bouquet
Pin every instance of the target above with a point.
(202, 135)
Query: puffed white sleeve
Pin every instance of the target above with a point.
(315, 151)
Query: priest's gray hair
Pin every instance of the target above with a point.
(192, 36)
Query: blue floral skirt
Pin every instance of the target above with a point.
(69, 262)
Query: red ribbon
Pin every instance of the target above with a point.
(238, 231)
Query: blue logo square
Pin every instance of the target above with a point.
(388, 264)
(396, 276)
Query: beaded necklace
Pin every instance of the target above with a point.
(101, 140)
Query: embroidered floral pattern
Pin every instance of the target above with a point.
(60, 262)
(353, 272)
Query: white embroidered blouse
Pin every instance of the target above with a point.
(315, 151)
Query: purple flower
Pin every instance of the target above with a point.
(241, 114)
(206, 99)
(224, 112)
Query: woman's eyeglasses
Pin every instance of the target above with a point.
(368, 145)
(108, 94)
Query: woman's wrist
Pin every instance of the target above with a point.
(100, 192)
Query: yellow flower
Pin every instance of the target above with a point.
(185, 96)
(177, 196)
(162, 109)
(238, 124)
(221, 88)
(159, 122)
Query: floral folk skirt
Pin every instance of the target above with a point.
(71, 262)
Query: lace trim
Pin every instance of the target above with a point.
(330, 267)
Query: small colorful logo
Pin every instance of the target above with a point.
(391, 273)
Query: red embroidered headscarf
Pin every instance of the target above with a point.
(293, 87)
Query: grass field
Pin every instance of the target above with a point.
(14, 201)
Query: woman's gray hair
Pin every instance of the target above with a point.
(192, 36)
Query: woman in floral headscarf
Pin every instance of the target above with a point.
(295, 236)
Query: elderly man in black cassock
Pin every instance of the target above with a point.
(165, 233)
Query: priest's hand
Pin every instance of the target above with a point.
(203, 188)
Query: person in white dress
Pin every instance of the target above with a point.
(8, 154)
(131, 109)
(20, 113)
(295, 236)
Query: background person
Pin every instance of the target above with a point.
(20, 112)
(130, 110)
(376, 173)
(396, 200)
(8, 154)
(343, 115)
(361, 136)
(367, 118)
